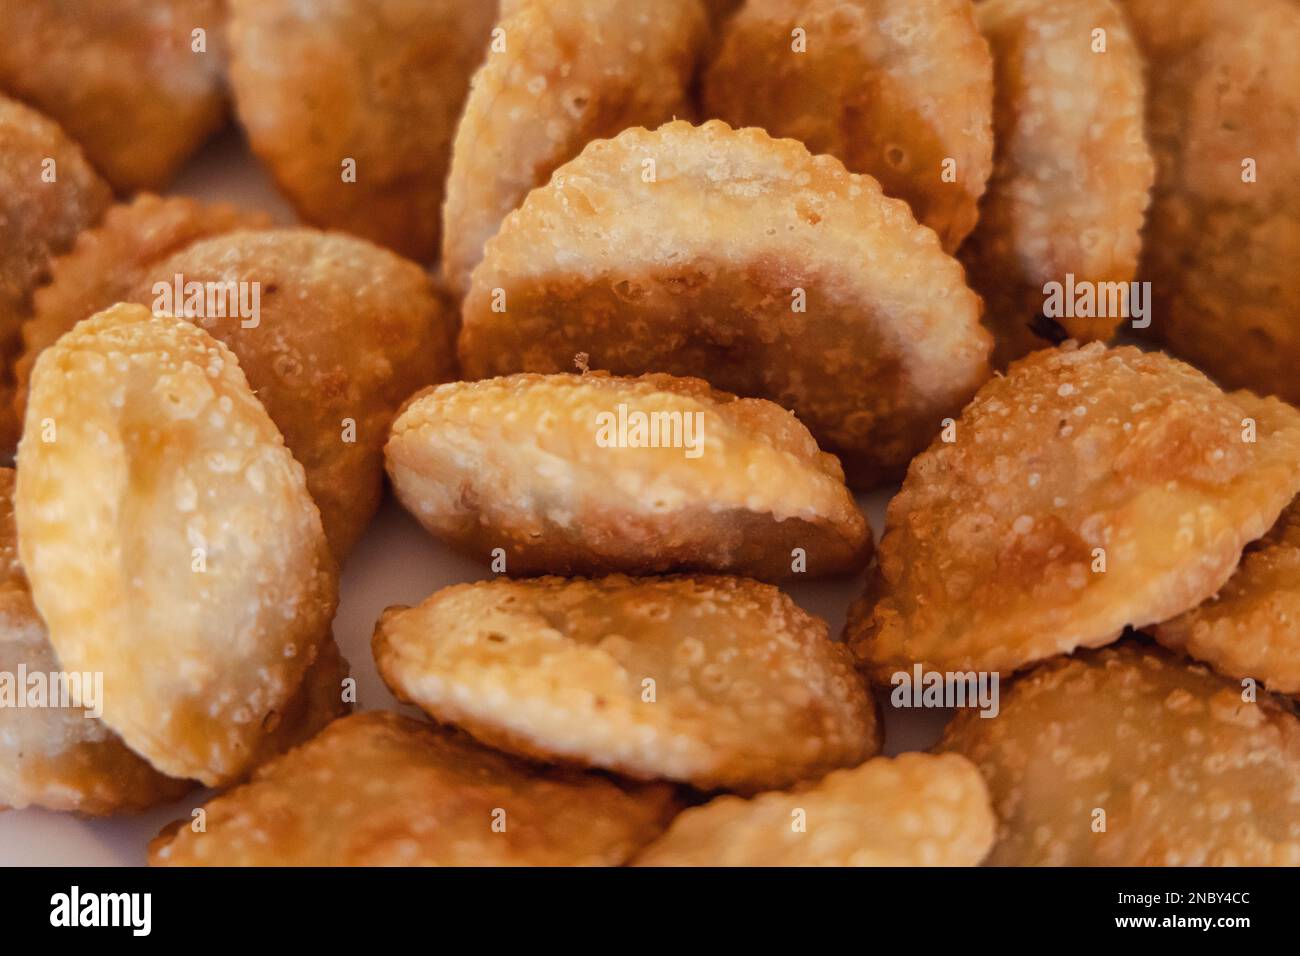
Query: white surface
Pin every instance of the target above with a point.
(395, 563)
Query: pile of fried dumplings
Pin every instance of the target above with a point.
(630, 301)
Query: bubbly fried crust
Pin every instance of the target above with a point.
(735, 486)
(1087, 490)
(1251, 628)
(382, 84)
(1186, 772)
(535, 104)
(317, 703)
(347, 332)
(1220, 252)
(106, 263)
(57, 757)
(189, 566)
(1073, 170)
(911, 810)
(893, 88)
(715, 681)
(38, 220)
(746, 261)
(377, 789)
(122, 77)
